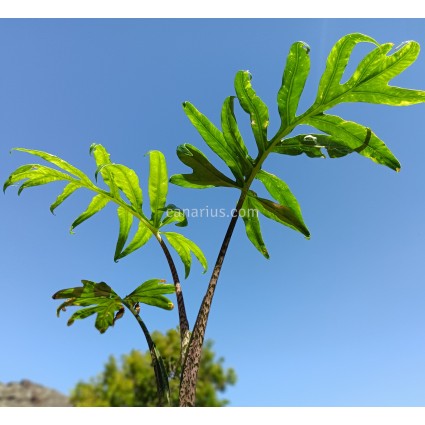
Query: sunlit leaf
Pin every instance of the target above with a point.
(233, 138)
(140, 238)
(303, 143)
(369, 82)
(152, 293)
(215, 139)
(293, 82)
(252, 226)
(254, 106)
(128, 182)
(97, 203)
(184, 247)
(280, 213)
(58, 162)
(102, 158)
(280, 191)
(356, 137)
(125, 219)
(329, 87)
(100, 299)
(204, 173)
(158, 185)
(174, 214)
(68, 190)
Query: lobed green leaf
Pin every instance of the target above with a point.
(204, 173)
(254, 106)
(215, 139)
(355, 137)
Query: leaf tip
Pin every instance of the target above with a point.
(92, 148)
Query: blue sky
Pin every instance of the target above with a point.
(338, 320)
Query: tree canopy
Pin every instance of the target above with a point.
(131, 382)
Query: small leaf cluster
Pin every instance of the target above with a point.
(102, 300)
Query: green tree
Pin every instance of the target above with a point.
(132, 383)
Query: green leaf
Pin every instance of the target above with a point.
(97, 203)
(329, 87)
(184, 247)
(174, 215)
(309, 144)
(140, 238)
(280, 191)
(158, 186)
(293, 82)
(152, 293)
(128, 182)
(35, 175)
(98, 297)
(354, 136)
(39, 181)
(68, 190)
(102, 158)
(204, 173)
(280, 213)
(126, 220)
(58, 162)
(374, 87)
(233, 138)
(249, 215)
(215, 139)
(254, 106)
(369, 82)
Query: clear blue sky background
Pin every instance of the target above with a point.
(338, 320)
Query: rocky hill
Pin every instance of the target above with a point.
(29, 394)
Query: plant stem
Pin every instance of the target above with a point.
(194, 351)
(157, 363)
(183, 322)
(192, 361)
